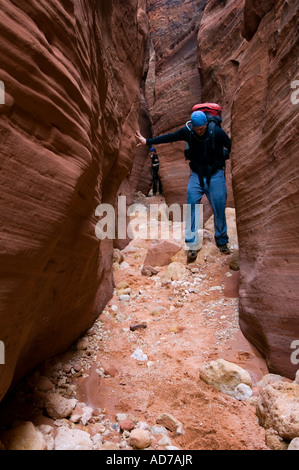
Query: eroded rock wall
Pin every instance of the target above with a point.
(72, 71)
(265, 179)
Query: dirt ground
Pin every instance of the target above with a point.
(185, 323)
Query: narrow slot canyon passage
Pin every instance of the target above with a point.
(138, 367)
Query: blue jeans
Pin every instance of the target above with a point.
(216, 193)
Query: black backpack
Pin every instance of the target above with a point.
(213, 113)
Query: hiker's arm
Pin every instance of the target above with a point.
(181, 134)
(224, 139)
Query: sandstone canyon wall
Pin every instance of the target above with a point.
(72, 71)
(265, 180)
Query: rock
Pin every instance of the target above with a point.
(138, 326)
(124, 265)
(121, 286)
(159, 430)
(48, 433)
(140, 439)
(158, 311)
(169, 422)
(149, 271)
(294, 444)
(139, 355)
(109, 367)
(274, 441)
(160, 252)
(24, 436)
(97, 442)
(224, 375)
(82, 413)
(269, 379)
(58, 407)
(278, 408)
(126, 291)
(72, 439)
(164, 441)
(243, 392)
(175, 272)
(127, 425)
(44, 384)
(234, 263)
(117, 256)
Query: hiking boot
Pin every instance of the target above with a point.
(224, 249)
(191, 256)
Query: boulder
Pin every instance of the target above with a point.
(224, 376)
(140, 439)
(59, 407)
(24, 436)
(160, 252)
(72, 439)
(278, 408)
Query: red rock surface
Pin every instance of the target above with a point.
(265, 180)
(72, 71)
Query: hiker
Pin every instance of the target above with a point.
(155, 171)
(207, 162)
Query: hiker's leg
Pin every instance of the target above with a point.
(194, 195)
(217, 193)
(154, 184)
(160, 186)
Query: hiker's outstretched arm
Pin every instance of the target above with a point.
(181, 134)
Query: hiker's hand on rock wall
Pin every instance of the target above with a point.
(140, 139)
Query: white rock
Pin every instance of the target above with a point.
(224, 375)
(72, 439)
(243, 392)
(164, 441)
(159, 430)
(59, 407)
(294, 444)
(139, 355)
